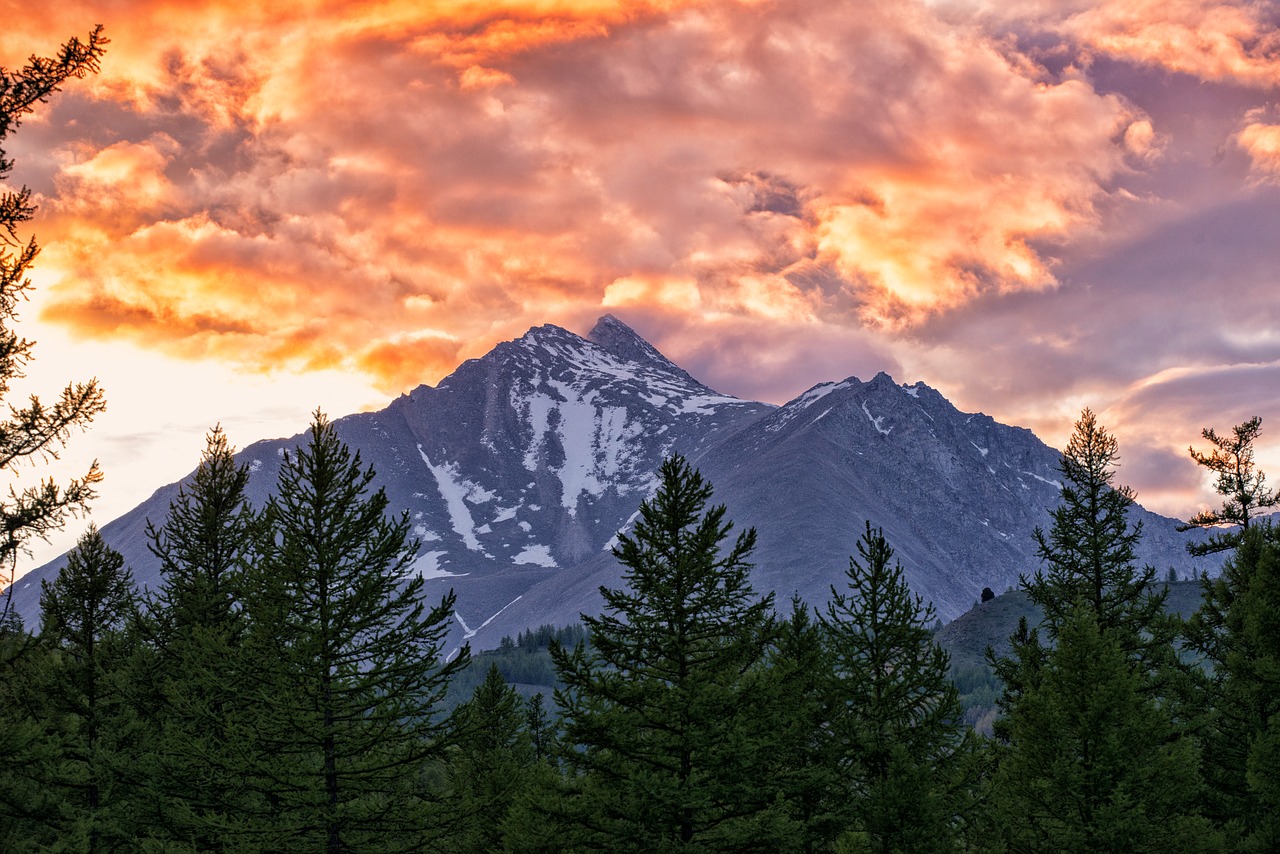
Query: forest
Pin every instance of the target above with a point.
(285, 689)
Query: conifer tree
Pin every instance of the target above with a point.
(1089, 556)
(87, 612)
(540, 728)
(661, 723)
(896, 726)
(1090, 550)
(805, 760)
(1236, 632)
(35, 431)
(34, 744)
(29, 434)
(492, 762)
(195, 660)
(346, 660)
(1093, 763)
(1239, 481)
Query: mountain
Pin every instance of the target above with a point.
(520, 467)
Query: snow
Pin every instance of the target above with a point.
(505, 515)
(876, 422)
(705, 402)
(1055, 483)
(913, 390)
(982, 451)
(525, 526)
(540, 555)
(803, 402)
(613, 541)
(540, 406)
(427, 566)
(454, 493)
(255, 465)
(468, 632)
(577, 429)
(816, 393)
(596, 439)
(425, 534)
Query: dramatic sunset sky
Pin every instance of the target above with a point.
(1032, 206)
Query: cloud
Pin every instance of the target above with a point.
(1212, 40)
(1260, 139)
(313, 190)
(1032, 206)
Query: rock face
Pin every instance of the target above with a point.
(520, 467)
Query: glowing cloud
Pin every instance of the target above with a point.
(279, 189)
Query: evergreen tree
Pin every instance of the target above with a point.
(1089, 556)
(87, 611)
(1236, 632)
(805, 767)
(1017, 672)
(1090, 551)
(1238, 480)
(896, 727)
(538, 725)
(35, 431)
(34, 741)
(489, 767)
(346, 668)
(194, 665)
(661, 724)
(28, 434)
(1094, 764)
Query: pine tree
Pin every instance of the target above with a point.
(1236, 632)
(34, 738)
(1090, 551)
(1239, 481)
(1089, 556)
(490, 766)
(661, 723)
(1093, 763)
(87, 612)
(899, 738)
(30, 433)
(196, 627)
(35, 431)
(538, 725)
(347, 659)
(805, 768)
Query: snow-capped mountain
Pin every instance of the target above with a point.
(519, 469)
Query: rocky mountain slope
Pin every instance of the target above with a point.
(520, 467)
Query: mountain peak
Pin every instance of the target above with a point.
(623, 341)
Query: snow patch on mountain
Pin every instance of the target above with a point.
(468, 632)
(455, 492)
(876, 421)
(539, 555)
(794, 408)
(427, 566)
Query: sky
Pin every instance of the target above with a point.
(257, 209)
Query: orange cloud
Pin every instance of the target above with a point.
(1211, 40)
(324, 185)
(1261, 141)
(1236, 42)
